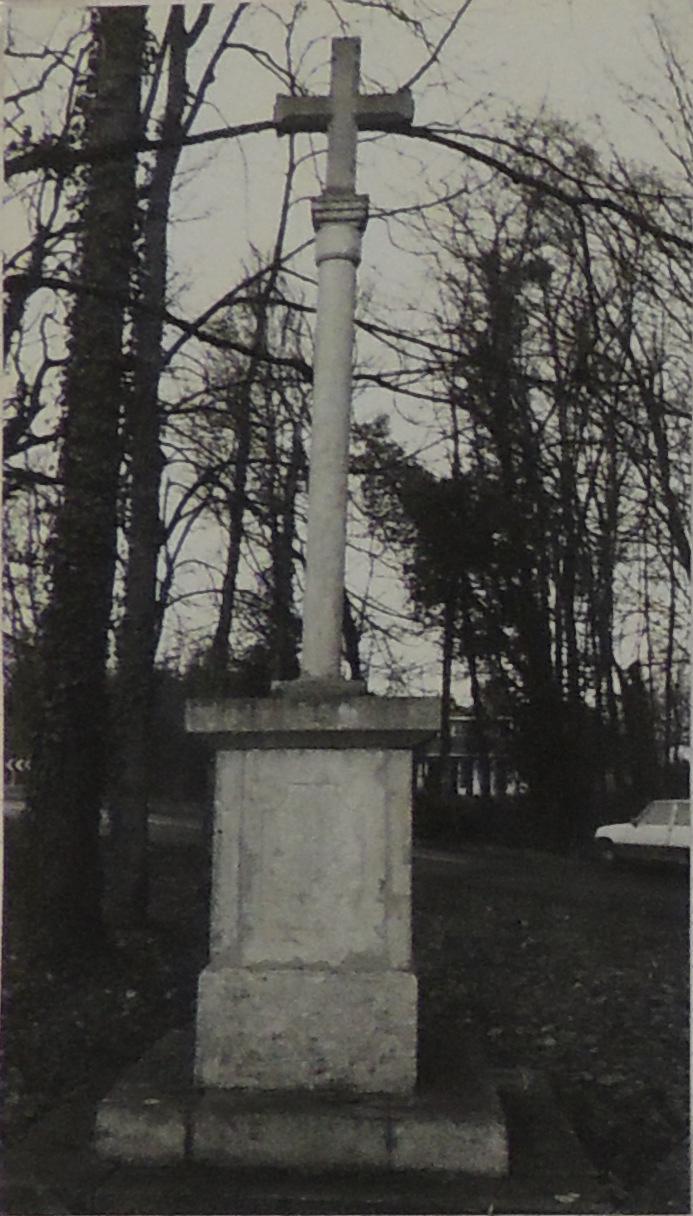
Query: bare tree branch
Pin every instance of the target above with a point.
(435, 53)
(57, 157)
(584, 199)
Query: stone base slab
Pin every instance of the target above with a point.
(294, 1029)
(308, 1132)
(150, 1117)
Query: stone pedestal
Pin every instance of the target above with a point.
(310, 983)
(305, 1053)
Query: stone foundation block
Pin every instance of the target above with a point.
(452, 1122)
(225, 1132)
(434, 1141)
(319, 1133)
(136, 1127)
(290, 1029)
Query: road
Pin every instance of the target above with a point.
(442, 875)
(567, 881)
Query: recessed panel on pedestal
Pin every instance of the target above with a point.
(312, 858)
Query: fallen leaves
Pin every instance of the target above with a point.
(60, 1033)
(565, 985)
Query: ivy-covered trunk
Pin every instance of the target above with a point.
(63, 885)
(138, 635)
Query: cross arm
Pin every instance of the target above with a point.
(293, 114)
(385, 111)
(374, 112)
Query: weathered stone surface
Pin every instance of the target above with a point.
(136, 1125)
(283, 721)
(229, 1132)
(293, 1029)
(438, 1141)
(316, 689)
(451, 1123)
(230, 1129)
(312, 858)
(309, 983)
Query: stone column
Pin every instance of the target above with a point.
(339, 221)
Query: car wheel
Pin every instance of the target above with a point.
(606, 852)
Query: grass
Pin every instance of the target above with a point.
(558, 967)
(580, 973)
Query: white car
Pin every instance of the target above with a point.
(662, 832)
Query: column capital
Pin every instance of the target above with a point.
(339, 208)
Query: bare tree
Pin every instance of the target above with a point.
(139, 630)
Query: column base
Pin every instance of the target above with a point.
(316, 689)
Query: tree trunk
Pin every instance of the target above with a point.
(139, 629)
(352, 638)
(142, 619)
(221, 641)
(445, 781)
(67, 781)
(469, 648)
(640, 735)
(219, 650)
(669, 699)
(284, 627)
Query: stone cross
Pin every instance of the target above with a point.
(339, 218)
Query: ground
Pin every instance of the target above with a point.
(575, 970)
(558, 965)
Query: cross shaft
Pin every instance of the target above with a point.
(339, 218)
